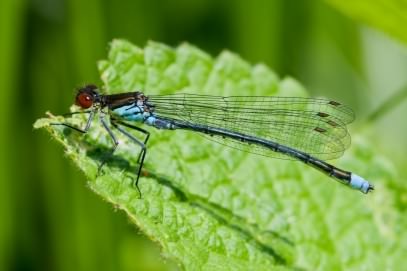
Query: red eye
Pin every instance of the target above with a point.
(84, 100)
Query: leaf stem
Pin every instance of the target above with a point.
(391, 103)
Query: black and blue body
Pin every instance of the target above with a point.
(303, 129)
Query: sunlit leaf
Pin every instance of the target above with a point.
(214, 208)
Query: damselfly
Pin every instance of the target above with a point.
(304, 129)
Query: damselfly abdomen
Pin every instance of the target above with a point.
(304, 129)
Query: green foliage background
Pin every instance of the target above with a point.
(51, 221)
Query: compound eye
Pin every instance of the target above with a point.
(84, 100)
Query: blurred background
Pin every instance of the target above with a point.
(351, 52)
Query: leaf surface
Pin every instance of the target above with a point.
(214, 208)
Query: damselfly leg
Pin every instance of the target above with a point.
(87, 126)
(115, 144)
(143, 151)
(115, 123)
(86, 129)
(145, 132)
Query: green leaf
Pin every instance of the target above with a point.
(389, 16)
(214, 208)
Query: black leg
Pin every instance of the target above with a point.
(147, 133)
(115, 142)
(142, 154)
(88, 122)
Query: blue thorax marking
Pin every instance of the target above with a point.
(133, 113)
(137, 113)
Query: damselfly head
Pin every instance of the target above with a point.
(87, 96)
